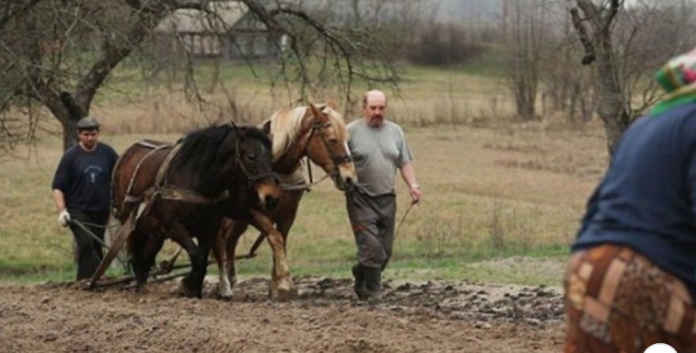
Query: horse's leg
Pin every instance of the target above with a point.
(205, 243)
(236, 232)
(281, 283)
(286, 219)
(284, 222)
(192, 284)
(222, 258)
(152, 248)
(136, 248)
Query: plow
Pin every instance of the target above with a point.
(166, 270)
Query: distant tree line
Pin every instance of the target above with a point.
(579, 58)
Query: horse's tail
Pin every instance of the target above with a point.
(73, 109)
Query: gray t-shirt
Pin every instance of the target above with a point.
(379, 153)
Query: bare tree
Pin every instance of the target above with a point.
(69, 48)
(394, 24)
(565, 84)
(525, 40)
(627, 45)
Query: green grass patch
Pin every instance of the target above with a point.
(491, 63)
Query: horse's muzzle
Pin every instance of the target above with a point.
(342, 183)
(271, 202)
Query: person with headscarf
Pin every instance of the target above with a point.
(631, 278)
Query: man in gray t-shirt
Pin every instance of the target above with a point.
(380, 149)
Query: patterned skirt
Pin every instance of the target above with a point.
(618, 301)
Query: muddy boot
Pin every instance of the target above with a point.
(359, 285)
(373, 284)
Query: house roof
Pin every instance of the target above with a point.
(220, 17)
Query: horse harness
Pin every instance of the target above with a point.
(170, 192)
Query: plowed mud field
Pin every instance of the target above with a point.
(415, 317)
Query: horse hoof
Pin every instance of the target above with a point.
(141, 290)
(224, 297)
(184, 291)
(282, 293)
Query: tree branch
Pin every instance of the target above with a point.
(587, 44)
(134, 4)
(9, 14)
(614, 6)
(591, 12)
(113, 54)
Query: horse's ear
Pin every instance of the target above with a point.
(314, 109)
(237, 131)
(267, 128)
(309, 119)
(331, 104)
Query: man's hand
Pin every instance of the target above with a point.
(64, 218)
(416, 193)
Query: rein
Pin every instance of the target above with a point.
(304, 186)
(403, 218)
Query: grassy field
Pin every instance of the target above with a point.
(501, 200)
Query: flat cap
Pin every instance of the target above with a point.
(88, 123)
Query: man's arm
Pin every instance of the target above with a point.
(59, 200)
(408, 173)
(63, 214)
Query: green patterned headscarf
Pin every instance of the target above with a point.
(678, 78)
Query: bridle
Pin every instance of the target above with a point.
(335, 158)
(251, 179)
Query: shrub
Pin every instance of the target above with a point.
(442, 45)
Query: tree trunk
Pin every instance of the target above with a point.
(612, 103)
(69, 137)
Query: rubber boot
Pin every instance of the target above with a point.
(373, 284)
(359, 285)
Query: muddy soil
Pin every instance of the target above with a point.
(415, 317)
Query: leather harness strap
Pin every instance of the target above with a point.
(169, 192)
(174, 193)
(130, 197)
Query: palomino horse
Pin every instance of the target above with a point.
(316, 131)
(180, 191)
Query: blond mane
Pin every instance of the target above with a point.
(286, 125)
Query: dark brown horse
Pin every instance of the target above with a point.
(182, 191)
(318, 132)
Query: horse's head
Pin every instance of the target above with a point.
(327, 145)
(253, 156)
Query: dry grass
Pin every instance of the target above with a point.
(490, 187)
(427, 97)
(476, 201)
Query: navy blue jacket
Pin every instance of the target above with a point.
(85, 177)
(647, 200)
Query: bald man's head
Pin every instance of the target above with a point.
(374, 95)
(375, 108)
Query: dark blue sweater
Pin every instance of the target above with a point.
(647, 200)
(85, 177)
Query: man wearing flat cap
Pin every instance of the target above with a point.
(82, 193)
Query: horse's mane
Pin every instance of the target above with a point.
(200, 148)
(286, 124)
